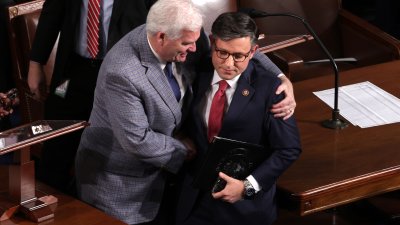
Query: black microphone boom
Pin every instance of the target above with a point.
(335, 122)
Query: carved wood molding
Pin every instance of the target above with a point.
(24, 8)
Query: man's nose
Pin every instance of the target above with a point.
(229, 61)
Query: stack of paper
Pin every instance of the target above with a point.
(364, 104)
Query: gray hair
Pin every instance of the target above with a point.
(172, 17)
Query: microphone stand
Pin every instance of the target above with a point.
(335, 122)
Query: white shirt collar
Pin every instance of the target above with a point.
(161, 62)
(232, 83)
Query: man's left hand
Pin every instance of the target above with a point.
(285, 108)
(233, 190)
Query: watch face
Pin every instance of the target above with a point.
(250, 192)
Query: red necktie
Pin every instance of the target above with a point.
(93, 22)
(217, 110)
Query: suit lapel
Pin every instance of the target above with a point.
(242, 96)
(75, 12)
(160, 83)
(156, 76)
(116, 13)
(187, 80)
(204, 84)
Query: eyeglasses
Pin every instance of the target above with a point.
(237, 57)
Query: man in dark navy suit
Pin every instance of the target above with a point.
(247, 91)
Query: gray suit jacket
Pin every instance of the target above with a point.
(126, 152)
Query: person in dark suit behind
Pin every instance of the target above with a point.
(70, 95)
(245, 116)
(5, 59)
(6, 80)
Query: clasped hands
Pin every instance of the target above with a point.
(191, 150)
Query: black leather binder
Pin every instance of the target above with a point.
(235, 158)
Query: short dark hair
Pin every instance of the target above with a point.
(233, 25)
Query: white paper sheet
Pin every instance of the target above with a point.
(364, 104)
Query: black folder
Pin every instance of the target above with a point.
(235, 158)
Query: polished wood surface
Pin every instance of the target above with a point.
(271, 43)
(68, 210)
(22, 195)
(342, 166)
(58, 128)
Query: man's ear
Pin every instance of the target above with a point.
(211, 39)
(160, 36)
(253, 50)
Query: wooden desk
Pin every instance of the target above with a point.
(69, 211)
(274, 42)
(342, 166)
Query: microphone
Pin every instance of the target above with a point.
(335, 122)
(253, 13)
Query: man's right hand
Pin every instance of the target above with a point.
(35, 78)
(4, 101)
(191, 148)
(7, 101)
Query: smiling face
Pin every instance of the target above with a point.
(238, 48)
(176, 50)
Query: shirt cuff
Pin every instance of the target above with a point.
(281, 75)
(254, 183)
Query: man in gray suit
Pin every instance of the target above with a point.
(132, 144)
(130, 147)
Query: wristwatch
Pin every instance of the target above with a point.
(249, 191)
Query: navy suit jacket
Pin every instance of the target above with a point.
(248, 120)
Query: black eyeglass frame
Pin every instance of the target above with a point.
(234, 55)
